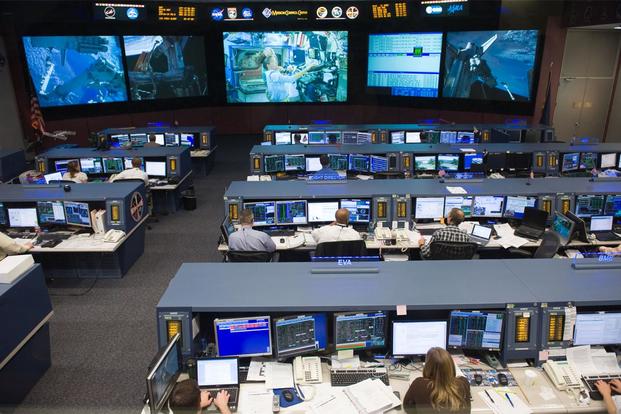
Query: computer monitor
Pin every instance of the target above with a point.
(589, 205)
(431, 136)
(364, 137)
(397, 137)
(378, 164)
(295, 162)
(473, 160)
(429, 208)
(3, 217)
(496, 161)
(300, 334)
(127, 163)
(243, 337)
(23, 217)
(333, 137)
(487, 206)
(359, 210)
(163, 375)
(217, 372)
(159, 139)
(291, 212)
(274, 163)
(57, 176)
(322, 211)
(62, 166)
(350, 137)
(411, 338)
(339, 161)
(425, 162)
(283, 138)
(571, 162)
(91, 165)
(601, 223)
(597, 329)
(155, 168)
(514, 208)
(359, 163)
(227, 228)
(113, 165)
(608, 160)
(519, 161)
(475, 330)
(580, 232)
(186, 139)
(613, 205)
(77, 214)
(448, 137)
(465, 137)
(588, 160)
(412, 137)
(462, 202)
(448, 162)
(299, 138)
(563, 226)
(313, 164)
(139, 139)
(317, 137)
(171, 140)
(264, 212)
(360, 330)
(121, 139)
(51, 212)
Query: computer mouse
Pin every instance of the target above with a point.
(282, 240)
(503, 380)
(478, 379)
(287, 395)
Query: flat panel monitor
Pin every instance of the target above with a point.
(350, 137)
(519, 161)
(217, 372)
(432, 137)
(91, 165)
(282, 138)
(113, 165)
(243, 337)
(120, 139)
(291, 212)
(613, 205)
(429, 208)
(127, 162)
(176, 66)
(475, 330)
(608, 160)
(318, 58)
(63, 165)
(51, 212)
(300, 334)
(597, 329)
(359, 209)
(322, 211)
(57, 176)
(23, 217)
(448, 137)
(397, 137)
(333, 137)
(187, 140)
(317, 137)
(159, 139)
(465, 137)
(274, 163)
(3, 216)
(588, 160)
(410, 338)
(563, 226)
(405, 64)
(473, 160)
(503, 70)
(571, 162)
(264, 212)
(364, 137)
(299, 138)
(162, 378)
(155, 168)
(580, 231)
(425, 162)
(75, 70)
(496, 161)
(588, 205)
(514, 208)
(339, 161)
(171, 140)
(487, 206)
(295, 162)
(360, 330)
(139, 139)
(412, 137)
(313, 164)
(462, 202)
(601, 223)
(77, 214)
(378, 164)
(448, 162)
(359, 163)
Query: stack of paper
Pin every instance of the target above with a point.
(586, 361)
(278, 375)
(507, 237)
(370, 396)
(504, 402)
(456, 190)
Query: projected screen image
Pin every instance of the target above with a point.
(292, 66)
(161, 67)
(405, 64)
(75, 70)
(490, 65)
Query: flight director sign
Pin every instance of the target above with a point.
(445, 9)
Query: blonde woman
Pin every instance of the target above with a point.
(438, 390)
(74, 174)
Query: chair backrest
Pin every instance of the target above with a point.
(62, 182)
(248, 256)
(341, 248)
(125, 180)
(452, 250)
(550, 243)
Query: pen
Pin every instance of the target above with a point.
(510, 402)
(332, 397)
(489, 396)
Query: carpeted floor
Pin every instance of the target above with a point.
(103, 340)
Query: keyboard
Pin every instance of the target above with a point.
(590, 381)
(346, 377)
(529, 232)
(280, 233)
(606, 236)
(21, 235)
(54, 236)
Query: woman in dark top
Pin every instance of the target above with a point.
(438, 390)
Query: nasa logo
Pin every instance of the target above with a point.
(433, 9)
(344, 262)
(267, 13)
(132, 13)
(217, 14)
(455, 8)
(247, 13)
(109, 12)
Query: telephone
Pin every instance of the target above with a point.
(113, 236)
(402, 235)
(562, 375)
(307, 370)
(382, 233)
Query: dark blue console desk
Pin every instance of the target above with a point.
(24, 335)
(12, 164)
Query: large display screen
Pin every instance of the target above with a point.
(292, 66)
(75, 70)
(491, 65)
(161, 67)
(405, 64)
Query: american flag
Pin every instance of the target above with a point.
(36, 117)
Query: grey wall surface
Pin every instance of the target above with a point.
(11, 134)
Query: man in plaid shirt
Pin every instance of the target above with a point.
(450, 233)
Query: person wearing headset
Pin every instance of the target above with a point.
(337, 230)
(247, 239)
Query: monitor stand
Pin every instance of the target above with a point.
(491, 359)
(367, 356)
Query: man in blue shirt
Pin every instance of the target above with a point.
(326, 173)
(249, 240)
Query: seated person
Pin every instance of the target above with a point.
(134, 172)
(337, 230)
(152, 143)
(613, 250)
(247, 239)
(613, 405)
(187, 398)
(438, 390)
(450, 233)
(326, 173)
(8, 246)
(74, 174)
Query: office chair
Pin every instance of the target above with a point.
(62, 182)
(341, 248)
(240, 256)
(550, 243)
(152, 217)
(452, 250)
(388, 175)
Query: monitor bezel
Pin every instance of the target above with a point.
(335, 324)
(269, 324)
(398, 321)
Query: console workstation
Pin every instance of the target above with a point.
(169, 169)
(79, 230)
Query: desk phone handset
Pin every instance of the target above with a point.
(562, 375)
(113, 236)
(307, 370)
(382, 233)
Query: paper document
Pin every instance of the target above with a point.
(606, 363)
(507, 238)
(466, 226)
(371, 396)
(570, 322)
(278, 375)
(256, 370)
(467, 150)
(502, 402)
(579, 358)
(345, 363)
(256, 402)
(334, 402)
(252, 178)
(456, 190)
